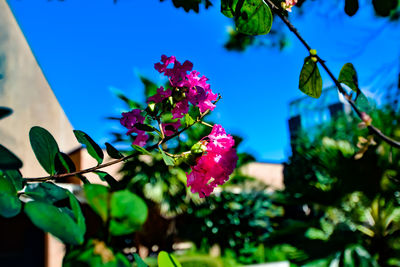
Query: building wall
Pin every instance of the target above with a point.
(24, 88)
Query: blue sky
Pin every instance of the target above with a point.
(85, 48)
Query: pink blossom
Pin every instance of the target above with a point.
(160, 95)
(167, 127)
(180, 109)
(141, 139)
(215, 165)
(128, 120)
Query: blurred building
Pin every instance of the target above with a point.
(308, 113)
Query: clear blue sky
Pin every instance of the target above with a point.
(87, 47)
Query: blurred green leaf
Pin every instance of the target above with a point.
(128, 213)
(169, 161)
(167, 260)
(5, 112)
(310, 79)
(139, 261)
(97, 197)
(51, 219)
(10, 205)
(113, 152)
(8, 161)
(45, 148)
(141, 149)
(93, 149)
(150, 88)
(145, 127)
(15, 177)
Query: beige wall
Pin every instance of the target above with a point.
(24, 88)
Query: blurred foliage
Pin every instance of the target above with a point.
(341, 206)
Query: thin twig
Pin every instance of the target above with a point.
(293, 29)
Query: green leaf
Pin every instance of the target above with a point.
(15, 177)
(8, 161)
(348, 76)
(45, 148)
(10, 205)
(228, 7)
(145, 127)
(254, 17)
(167, 260)
(113, 152)
(310, 79)
(141, 149)
(93, 149)
(169, 161)
(188, 119)
(77, 211)
(384, 7)
(4, 112)
(362, 103)
(97, 197)
(63, 163)
(53, 220)
(138, 260)
(83, 178)
(351, 7)
(128, 213)
(150, 88)
(47, 192)
(111, 181)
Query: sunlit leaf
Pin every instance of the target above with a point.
(167, 260)
(348, 76)
(310, 79)
(254, 17)
(141, 149)
(97, 196)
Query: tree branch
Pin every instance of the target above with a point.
(373, 129)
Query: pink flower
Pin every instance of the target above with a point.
(288, 4)
(180, 109)
(171, 128)
(160, 95)
(215, 165)
(128, 120)
(141, 139)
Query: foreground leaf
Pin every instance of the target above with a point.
(47, 192)
(45, 148)
(8, 161)
(169, 161)
(63, 163)
(93, 149)
(310, 79)
(51, 219)
(141, 149)
(128, 213)
(15, 177)
(10, 205)
(97, 197)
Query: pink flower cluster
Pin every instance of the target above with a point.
(129, 119)
(188, 83)
(288, 4)
(215, 165)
